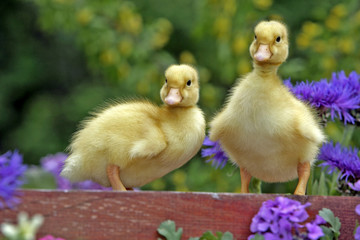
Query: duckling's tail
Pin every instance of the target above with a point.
(72, 169)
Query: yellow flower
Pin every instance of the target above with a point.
(262, 4)
(339, 10)
(84, 16)
(107, 57)
(187, 57)
(129, 20)
(179, 177)
(240, 44)
(328, 63)
(163, 31)
(158, 184)
(182, 188)
(244, 66)
(222, 27)
(125, 47)
(230, 6)
(311, 29)
(332, 22)
(346, 45)
(302, 41)
(319, 46)
(123, 71)
(134, 24)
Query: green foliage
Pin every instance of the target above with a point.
(168, 230)
(333, 231)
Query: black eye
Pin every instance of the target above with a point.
(278, 39)
(255, 37)
(165, 80)
(188, 83)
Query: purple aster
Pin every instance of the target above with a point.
(217, 156)
(355, 186)
(339, 96)
(346, 160)
(11, 173)
(54, 164)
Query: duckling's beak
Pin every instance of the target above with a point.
(263, 53)
(174, 97)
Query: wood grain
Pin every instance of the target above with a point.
(101, 215)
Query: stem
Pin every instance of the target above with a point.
(347, 135)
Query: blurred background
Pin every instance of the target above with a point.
(61, 59)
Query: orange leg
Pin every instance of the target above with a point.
(245, 180)
(113, 173)
(304, 174)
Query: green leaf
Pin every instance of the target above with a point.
(315, 188)
(322, 189)
(168, 230)
(329, 235)
(194, 238)
(227, 236)
(209, 236)
(329, 217)
(258, 237)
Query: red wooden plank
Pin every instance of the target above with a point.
(101, 215)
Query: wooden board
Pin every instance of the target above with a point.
(101, 215)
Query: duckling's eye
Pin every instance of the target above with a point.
(255, 37)
(165, 80)
(278, 39)
(188, 83)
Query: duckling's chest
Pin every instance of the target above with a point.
(184, 134)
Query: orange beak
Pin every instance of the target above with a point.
(263, 53)
(174, 97)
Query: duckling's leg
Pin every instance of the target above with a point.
(303, 170)
(113, 173)
(245, 180)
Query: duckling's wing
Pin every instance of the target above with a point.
(150, 144)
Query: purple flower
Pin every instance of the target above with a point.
(277, 218)
(11, 172)
(355, 186)
(357, 231)
(54, 165)
(357, 209)
(346, 160)
(314, 231)
(50, 237)
(217, 156)
(339, 96)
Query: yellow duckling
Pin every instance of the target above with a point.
(131, 144)
(265, 129)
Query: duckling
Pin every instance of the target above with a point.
(133, 143)
(266, 130)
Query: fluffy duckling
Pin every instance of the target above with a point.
(131, 144)
(266, 130)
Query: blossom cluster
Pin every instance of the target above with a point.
(11, 172)
(216, 155)
(281, 219)
(54, 164)
(340, 95)
(346, 160)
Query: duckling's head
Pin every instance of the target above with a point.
(270, 45)
(181, 87)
